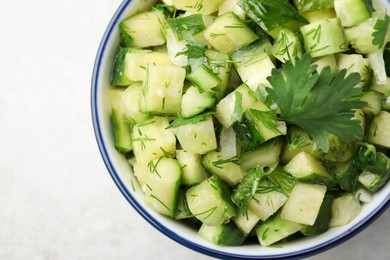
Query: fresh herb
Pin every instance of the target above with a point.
(218, 163)
(180, 121)
(248, 187)
(318, 103)
(268, 119)
(380, 31)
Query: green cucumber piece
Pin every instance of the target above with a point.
(122, 131)
(324, 37)
(304, 203)
(321, 224)
(306, 168)
(224, 234)
(162, 185)
(228, 169)
(210, 201)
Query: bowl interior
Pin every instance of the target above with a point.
(122, 175)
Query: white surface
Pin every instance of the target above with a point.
(57, 200)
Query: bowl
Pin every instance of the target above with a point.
(121, 172)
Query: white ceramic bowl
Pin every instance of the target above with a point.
(122, 175)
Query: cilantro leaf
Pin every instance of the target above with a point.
(380, 31)
(318, 103)
(179, 121)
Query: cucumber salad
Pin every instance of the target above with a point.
(255, 120)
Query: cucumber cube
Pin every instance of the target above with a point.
(138, 61)
(304, 203)
(287, 46)
(306, 168)
(355, 63)
(276, 229)
(163, 87)
(210, 201)
(152, 139)
(198, 138)
(344, 209)
(228, 170)
(146, 29)
(193, 172)
(229, 33)
(324, 37)
(225, 234)
(379, 130)
(351, 12)
(162, 185)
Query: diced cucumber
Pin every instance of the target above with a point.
(119, 76)
(351, 12)
(162, 185)
(229, 33)
(131, 103)
(382, 88)
(379, 130)
(258, 127)
(222, 67)
(138, 61)
(196, 6)
(271, 16)
(152, 139)
(266, 155)
(246, 222)
(141, 171)
(276, 229)
(198, 138)
(297, 141)
(231, 107)
(344, 209)
(182, 210)
(315, 16)
(325, 61)
(245, 55)
(304, 6)
(287, 46)
(283, 180)
(227, 169)
(192, 170)
(355, 63)
(374, 102)
(163, 89)
(322, 221)
(224, 234)
(306, 168)
(204, 78)
(231, 6)
(324, 37)
(360, 36)
(304, 203)
(373, 181)
(210, 201)
(146, 29)
(122, 131)
(267, 200)
(339, 150)
(229, 146)
(346, 175)
(194, 102)
(254, 70)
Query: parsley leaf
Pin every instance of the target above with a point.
(179, 121)
(318, 103)
(380, 31)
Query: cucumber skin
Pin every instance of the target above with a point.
(321, 224)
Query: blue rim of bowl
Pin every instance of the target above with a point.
(360, 226)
